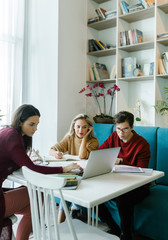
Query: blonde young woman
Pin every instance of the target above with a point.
(80, 140)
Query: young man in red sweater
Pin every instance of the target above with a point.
(134, 151)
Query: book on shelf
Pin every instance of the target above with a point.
(146, 69)
(151, 68)
(144, 3)
(97, 76)
(100, 45)
(130, 37)
(138, 36)
(92, 20)
(95, 45)
(164, 58)
(135, 7)
(92, 74)
(101, 13)
(161, 69)
(110, 14)
(124, 6)
(113, 72)
(128, 66)
(162, 35)
(152, 2)
(102, 71)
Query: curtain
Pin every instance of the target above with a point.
(12, 14)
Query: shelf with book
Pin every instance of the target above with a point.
(163, 7)
(135, 79)
(103, 53)
(162, 76)
(103, 24)
(139, 15)
(103, 81)
(163, 41)
(137, 47)
(101, 1)
(152, 23)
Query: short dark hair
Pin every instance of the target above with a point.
(124, 116)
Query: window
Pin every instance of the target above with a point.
(11, 55)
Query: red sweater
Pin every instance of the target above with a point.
(13, 156)
(135, 152)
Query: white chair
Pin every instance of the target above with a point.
(44, 212)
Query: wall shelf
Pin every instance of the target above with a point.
(103, 24)
(139, 15)
(103, 53)
(137, 47)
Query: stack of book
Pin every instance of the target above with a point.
(102, 15)
(163, 63)
(162, 35)
(92, 20)
(95, 45)
(98, 71)
(128, 66)
(131, 36)
(110, 14)
(126, 8)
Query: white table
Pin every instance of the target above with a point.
(94, 191)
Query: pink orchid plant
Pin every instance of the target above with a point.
(98, 90)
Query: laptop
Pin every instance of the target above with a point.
(100, 162)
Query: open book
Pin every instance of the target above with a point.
(126, 168)
(65, 157)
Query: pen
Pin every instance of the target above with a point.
(56, 148)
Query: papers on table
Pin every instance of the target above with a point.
(132, 169)
(126, 168)
(65, 157)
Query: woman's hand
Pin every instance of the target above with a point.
(71, 166)
(58, 154)
(89, 131)
(118, 161)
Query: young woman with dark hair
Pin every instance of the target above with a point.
(15, 142)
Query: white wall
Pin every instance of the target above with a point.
(71, 61)
(54, 78)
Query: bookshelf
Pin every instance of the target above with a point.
(148, 89)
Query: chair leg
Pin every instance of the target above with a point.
(13, 235)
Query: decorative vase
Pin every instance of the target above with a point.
(106, 120)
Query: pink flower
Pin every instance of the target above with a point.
(89, 94)
(98, 90)
(101, 85)
(82, 90)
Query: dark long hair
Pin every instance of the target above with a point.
(20, 116)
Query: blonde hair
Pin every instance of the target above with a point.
(81, 116)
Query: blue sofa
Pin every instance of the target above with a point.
(151, 215)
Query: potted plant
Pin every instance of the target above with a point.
(162, 106)
(96, 91)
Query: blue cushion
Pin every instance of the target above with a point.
(102, 131)
(162, 154)
(150, 134)
(150, 216)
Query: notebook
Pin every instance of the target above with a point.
(100, 162)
